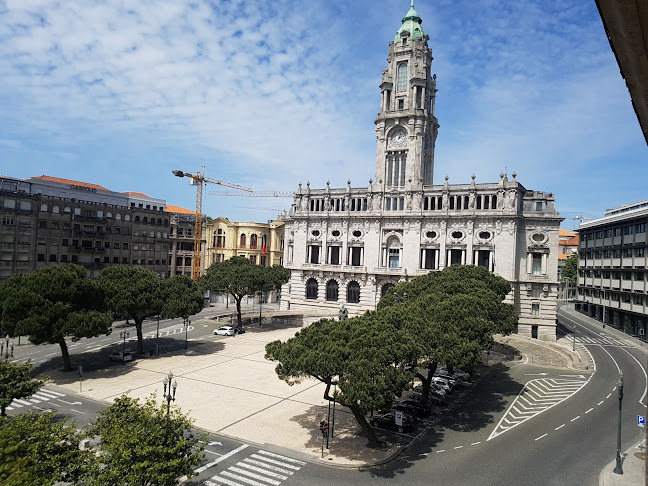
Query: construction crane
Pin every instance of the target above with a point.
(256, 194)
(198, 179)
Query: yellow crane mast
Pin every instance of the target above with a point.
(198, 179)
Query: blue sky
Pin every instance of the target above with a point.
(268, 94)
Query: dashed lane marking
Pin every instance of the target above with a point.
(543, 435)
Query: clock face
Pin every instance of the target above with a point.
(398, 138)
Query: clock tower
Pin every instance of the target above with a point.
(406, 128)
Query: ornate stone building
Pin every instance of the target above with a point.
(348, 246)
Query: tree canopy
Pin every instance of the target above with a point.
(238, 277)
(53, 303)
(570, 270)
(442, 317)
(144, 444)
(39, 451)
(140, 293)
(16, 381)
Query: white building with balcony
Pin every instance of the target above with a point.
(348, 246)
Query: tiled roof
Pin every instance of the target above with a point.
(562, 232)
(177, 209)
(137, 194)
(70, 182)
(570, 242)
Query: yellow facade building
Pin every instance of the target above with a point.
(261, 243)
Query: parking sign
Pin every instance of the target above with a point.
(399, 418)
(641, 420)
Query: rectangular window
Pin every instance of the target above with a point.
(638, 300)
(335, 255)
(428, 258)
(535, 309)
(64, 258)
(401, 104)
(618, 231)
(640, 252)
(640, 228)
(52, 258)
(394, 258)
(536, 264)
(314, 253)
(536, 290)
(539, 206)
(356, 256)
(253, 259)
(401, 77)
(639, 276)
(627, 230)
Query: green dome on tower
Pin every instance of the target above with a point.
(412, 24)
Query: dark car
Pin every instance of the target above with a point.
(418, 408)
(388, 421)
(239, 330)
(434, 398)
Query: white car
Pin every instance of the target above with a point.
(443, 383)
(119, 356)
(224, 331)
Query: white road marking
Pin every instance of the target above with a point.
(262, 470)
(213, 463)
(277, 456)
(543, 435)
(475, 443)
(575, 418)
(78, 411)
(442, 450)
(608, 395)
(212, 452)
(459, 447)
(559, 427)
(251, 482)
(641, 400)
(599, 403)
(608, 353)
(245, 472)
(589, 410)
(268, 466)
(538, 395)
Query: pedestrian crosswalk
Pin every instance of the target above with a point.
(537, 396)
(602, 340)
(37, 398)
(259, 469)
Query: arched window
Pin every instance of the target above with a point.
(385, 289)
(353, 292)
(401, 77)
(118, 217)
(242, 245)
(311, 288)
(253, 241)
(393, 252)
(144, 219)
(332, 290)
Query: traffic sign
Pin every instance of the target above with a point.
(399, 418)
(641, 419)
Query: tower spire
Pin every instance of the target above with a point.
(411, 23)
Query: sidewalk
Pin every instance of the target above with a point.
(633, 465)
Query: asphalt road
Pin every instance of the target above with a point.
(567, 443)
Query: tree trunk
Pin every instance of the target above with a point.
(450, 369)
(366, 428)
(427, 380)
(239, 319)
(67, 365)
(140, 338)
(2, 411)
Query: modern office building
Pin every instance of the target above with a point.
(348, 246)
(612, 269)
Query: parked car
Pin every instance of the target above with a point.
(453, 381)
(462, 375)
(388, 421)
(117, 356)
(239, 330)
(442, 383)
(418, 408)
(435, 397)
(434, 388)
(224, 331)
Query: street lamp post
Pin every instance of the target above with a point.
(171, 386)
(7, 347)
(574, 345)
(619, 469)
(157, 337)
(186, 327)
(123, 335)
